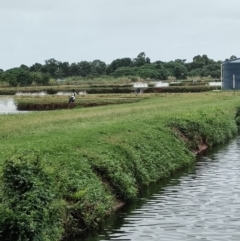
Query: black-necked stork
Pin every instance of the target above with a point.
(72, 98)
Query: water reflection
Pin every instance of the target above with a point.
(203, 203)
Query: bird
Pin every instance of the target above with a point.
(72, 98)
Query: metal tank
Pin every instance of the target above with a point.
(231, 74)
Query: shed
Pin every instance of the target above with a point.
(231, 74)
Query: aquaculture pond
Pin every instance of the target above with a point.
(201, 203)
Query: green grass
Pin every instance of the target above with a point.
(67, 86)
(103, 155)
(93, 98)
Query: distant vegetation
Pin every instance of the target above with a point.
(132, 69)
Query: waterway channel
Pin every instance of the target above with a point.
(200, 203)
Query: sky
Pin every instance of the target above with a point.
(33, 31)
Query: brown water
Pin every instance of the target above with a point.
(201, 203)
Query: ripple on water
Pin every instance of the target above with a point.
(203, 205)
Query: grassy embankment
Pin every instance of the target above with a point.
(52, 102)
(63, 171)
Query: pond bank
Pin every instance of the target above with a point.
(91, 161)
(58, 106)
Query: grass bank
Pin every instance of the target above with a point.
(52, 102)
(62, 172)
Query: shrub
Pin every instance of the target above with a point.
(28, 211)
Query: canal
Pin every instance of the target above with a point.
(200, 203)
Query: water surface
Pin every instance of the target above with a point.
(203, 203)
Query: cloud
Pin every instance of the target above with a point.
(73, 30)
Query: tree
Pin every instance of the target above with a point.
(36, 67)
(23, 78)
(85, 68)
(194, 72)
(40, 78)
(200, 61)
(73, 69)
(117, 63)
(58, 74)
(181, 61)
(153, 71)
(24, 67)
(51, 65)
(18, 76)
(208, 69)
(141, 60)
(233, 57)
(125, 71)
(180, 71)
(98, 68)
(163, 73)
(10, 78)
(1, 75)
(216, 74)
(65, 68)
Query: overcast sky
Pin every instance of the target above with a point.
(76, 30)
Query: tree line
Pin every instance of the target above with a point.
(141, 66)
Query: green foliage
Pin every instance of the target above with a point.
(140, 67)
(98, 68)
(17, 76)
(181, 89)
(40, 78)
(206, 127)
(141, 60)
(36, 67)
(58, 74)
(85, 68)
(237, 117)
(51, 66)
(1, 76)
(117, 63)
(180, 71)
(177, 69)
(123, 184)
(28, 209)
(152, 71)
(96, 157)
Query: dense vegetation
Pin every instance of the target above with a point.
(141, 66)
(61, 172)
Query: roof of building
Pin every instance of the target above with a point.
(234, 61)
